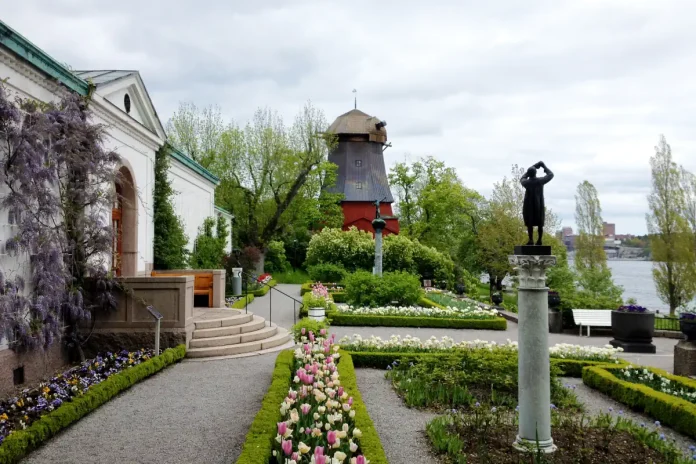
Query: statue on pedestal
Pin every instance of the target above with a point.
(533, 209)
(378, 214)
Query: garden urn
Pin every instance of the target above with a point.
(317, 314)
(497, 298)
(687, 324)
(633, 327)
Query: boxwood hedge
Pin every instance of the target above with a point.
(670, 410)
(21, 442)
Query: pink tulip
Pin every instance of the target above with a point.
(310, 379)
(293, 395)
(350, 401)
(322, 332)
(282, 428)
(340, 391)
(311, 337)
(329, 360)
(315, 369)
(305, 409)
(319, 451)
(304, 331)
(320, 459)
(360, 459)
(295, 456)
(287, 447)
(331, 437)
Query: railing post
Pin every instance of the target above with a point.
(294, 311)
(270, 306)
(246, 296)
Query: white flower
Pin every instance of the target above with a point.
(340, 456)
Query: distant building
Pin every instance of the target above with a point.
(566, 232)
(609, 229)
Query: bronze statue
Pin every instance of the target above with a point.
(533, 209)
(378, 215)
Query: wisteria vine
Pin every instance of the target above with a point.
(57, 179)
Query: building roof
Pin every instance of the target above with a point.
(192, 164)
(355, 122)
(104, 77)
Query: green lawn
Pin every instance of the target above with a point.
(509, 300)
(294, 276)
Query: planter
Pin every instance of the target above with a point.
(497, 299)
(688, 328)
(554, 300)
(318, 314)
(555, 321)
(460, 289)
(633, 331)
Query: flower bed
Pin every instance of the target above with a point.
(471, 311)
(486, 435)
(264, 278)
(676, 412)
(344, 319)
(264, 288)
(657, 382)
(37, 415)
(239, 302)
(318, 420)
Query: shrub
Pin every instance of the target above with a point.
(353, 249)
(311, 300)
(397, 288)
(170, 241)
(342, 319)
(209, 248)
(275, 260)
(398, 254)
(431, 264)
(327, 272)
(309, 325)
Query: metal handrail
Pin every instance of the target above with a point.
(295, 301)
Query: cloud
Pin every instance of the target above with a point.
(586, 86)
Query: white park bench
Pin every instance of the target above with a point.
(592, 317)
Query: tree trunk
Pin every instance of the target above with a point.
(261, 263)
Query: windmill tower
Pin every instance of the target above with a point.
(362, 176)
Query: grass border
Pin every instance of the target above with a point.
(339, 319)
(258, 445)
(241, 304)
(675, 412)
(382, 359)
(21, 442)
(265, 288)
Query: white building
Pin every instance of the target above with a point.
(120, 101)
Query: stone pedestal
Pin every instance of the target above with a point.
(534, 385)
(685, 358)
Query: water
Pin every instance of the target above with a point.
(637, 281)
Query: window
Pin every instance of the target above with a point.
(358, 185)
(358, 163)
(126, 103)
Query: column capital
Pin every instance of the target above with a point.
(531, 269)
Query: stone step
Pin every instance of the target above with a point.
(280, 338)
(227, 321)
(265, 332)
(257, 323)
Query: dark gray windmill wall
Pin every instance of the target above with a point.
(372, 174)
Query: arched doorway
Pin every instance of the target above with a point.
(125, 226)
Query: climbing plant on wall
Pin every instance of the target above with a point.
(58, 180)
(170, 250)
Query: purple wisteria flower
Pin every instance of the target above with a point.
(632, 308)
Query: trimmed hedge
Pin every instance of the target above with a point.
(306, 288)
(427, 303)
(380, 360)
(338, 318)
(258, 444)
(21, 442)
(241, 304)
(339, 297)
(265, 288)
(370, 444)
(670, 410)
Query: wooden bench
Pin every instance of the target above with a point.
(592, 317)
(202, 284)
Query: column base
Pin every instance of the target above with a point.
(634, 347)
(532, 446)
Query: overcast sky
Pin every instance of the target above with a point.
(587, 86)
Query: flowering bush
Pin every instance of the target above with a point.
(632, 308)
(319, 297)
(410, 344)
(472, 312)
(319, 425)
(264, 278)
(230, 300)
(19, 412)
(656, 382)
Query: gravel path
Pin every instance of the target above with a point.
(192, 412)
(596, 402)
(401, 429)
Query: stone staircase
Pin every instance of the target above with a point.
(231, 332)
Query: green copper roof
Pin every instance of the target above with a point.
(223, 210)
(42, 60)
(191, 164)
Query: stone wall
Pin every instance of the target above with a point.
(38, 365)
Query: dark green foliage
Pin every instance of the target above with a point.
(345, 319)
(263, 289)
(170, 239)
(275, 260)
(466, 378)
(19, 443)
(393, 288)
(291, 276)
(327, 272)
(670, 410)
(209, 251)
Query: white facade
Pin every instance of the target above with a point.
(136, 135)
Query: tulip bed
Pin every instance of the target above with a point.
(36, 415)
(313, 412)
